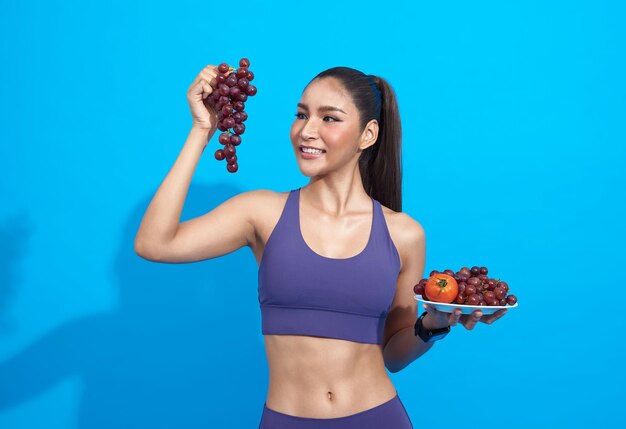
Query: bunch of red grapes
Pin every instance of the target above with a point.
(474, 287)
(233, 89)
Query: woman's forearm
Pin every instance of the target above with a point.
(404, 347)
(162, 217)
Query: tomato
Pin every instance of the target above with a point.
(441, 288)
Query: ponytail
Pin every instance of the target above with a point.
(380, 164)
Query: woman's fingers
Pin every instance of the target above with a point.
(209, 73)
(493, 317)
(452, 318)
(455, 317)
(470, 320)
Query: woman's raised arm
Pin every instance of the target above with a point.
(161, 237)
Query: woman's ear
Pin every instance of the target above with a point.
(370, 134)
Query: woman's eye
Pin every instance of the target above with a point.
(298, 116)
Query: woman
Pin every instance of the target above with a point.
(336, 279)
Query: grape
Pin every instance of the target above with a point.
(243, 83)
(500, 293)
(483, 270)
(223, 89)
(449, 272)
(511, 299)
(474, 281)
(229, 122)
(462, 286)
(475, 271)
(472, 299)
(470, 290)
(239, 128)
(489, 296)
(233, 90)
(418, 289)
(231, 80)
(224, 138)
(219, 154)
(228, 109)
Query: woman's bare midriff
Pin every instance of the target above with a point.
(320, 377)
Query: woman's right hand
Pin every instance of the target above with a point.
(203, 112)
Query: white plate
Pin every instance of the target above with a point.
(467, 309)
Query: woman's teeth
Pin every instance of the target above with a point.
(307, 150)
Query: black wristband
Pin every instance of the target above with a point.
(429, 335)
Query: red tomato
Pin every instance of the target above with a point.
(441, 288)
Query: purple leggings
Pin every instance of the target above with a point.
(389, 415)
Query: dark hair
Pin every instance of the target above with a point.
(381, 163)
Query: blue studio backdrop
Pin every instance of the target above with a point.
(513, 120)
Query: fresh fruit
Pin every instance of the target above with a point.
(466, 287)
(441, 288)
(233, 90)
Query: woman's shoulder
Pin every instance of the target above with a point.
(405, 231)
(267, 196)
(264, 196)
(402, 221)
(265, 205)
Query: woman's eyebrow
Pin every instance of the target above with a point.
(323, 108)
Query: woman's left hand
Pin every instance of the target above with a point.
(440, 318)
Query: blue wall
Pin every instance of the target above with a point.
(513, 123)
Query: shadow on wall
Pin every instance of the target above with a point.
(182, 350)
(15, 234)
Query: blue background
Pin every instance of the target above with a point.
(513, 153)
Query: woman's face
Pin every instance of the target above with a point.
(327, 119)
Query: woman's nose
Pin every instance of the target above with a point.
(309, 130)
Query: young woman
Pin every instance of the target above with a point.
(337, 258)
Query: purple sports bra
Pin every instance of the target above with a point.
(304, 293)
